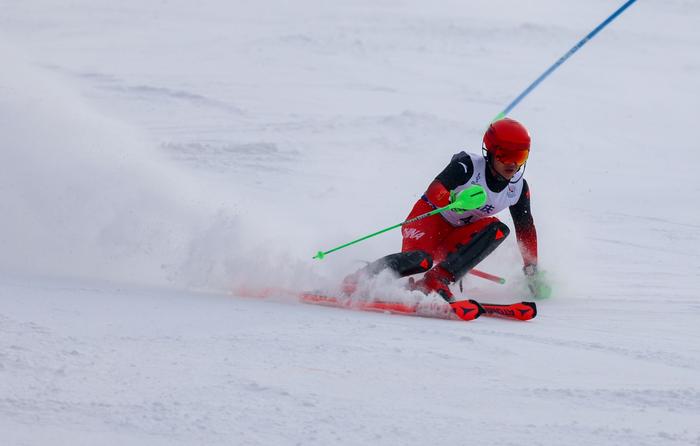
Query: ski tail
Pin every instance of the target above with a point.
(369, 305)
(523, 311)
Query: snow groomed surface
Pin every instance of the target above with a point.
(158, 155)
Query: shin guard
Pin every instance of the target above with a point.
(467, 256)
(402, 263)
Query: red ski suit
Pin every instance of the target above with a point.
(438, 237)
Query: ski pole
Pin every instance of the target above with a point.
(470, 198)
(487, 276)
(562, 59)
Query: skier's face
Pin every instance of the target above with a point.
(506, 170)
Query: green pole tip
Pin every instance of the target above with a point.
(319, 255)
(498, 117)
(502, 281)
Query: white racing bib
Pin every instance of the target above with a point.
(495, 201)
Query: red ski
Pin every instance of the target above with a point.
(523, 311)
(463, 309)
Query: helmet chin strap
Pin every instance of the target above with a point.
(522, 173)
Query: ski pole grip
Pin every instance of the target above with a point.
(470, 198)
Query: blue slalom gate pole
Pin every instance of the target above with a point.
(562, 59)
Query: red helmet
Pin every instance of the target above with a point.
(508, 141)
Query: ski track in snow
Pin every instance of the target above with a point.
(294, 126)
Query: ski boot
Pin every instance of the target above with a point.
(458, 263)
(438, 280)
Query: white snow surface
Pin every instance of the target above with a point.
(158, 156)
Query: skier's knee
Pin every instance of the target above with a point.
(468, 255)
(402, 263)
(413, 262)
(499, 230)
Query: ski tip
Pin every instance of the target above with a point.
(533, 306)
(523, 311)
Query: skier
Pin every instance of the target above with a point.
(446, 247)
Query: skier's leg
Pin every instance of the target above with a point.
(466, 247)
(402, 264)
(426, 234)
(466, 254)
(420, 240)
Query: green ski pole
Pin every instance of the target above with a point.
(468, 199)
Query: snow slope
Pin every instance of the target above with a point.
(157, 155)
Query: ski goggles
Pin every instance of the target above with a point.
(508, 156)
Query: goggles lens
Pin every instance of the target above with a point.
(511, 156)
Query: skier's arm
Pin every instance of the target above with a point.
(457, 173)
(525, 230)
